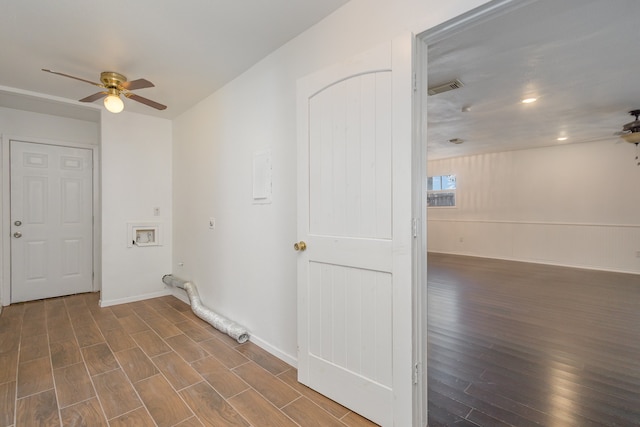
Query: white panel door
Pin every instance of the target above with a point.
(354, 215)
(51, 220)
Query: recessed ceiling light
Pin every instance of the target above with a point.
(562, 138)
(529, 100)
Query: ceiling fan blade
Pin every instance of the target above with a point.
(73, 77)
(145, 101)
(94, 97)
(137, 84)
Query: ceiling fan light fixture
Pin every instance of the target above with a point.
(529, 100)
(633, 137)
(114, 85)
(113, 103)
(631, 131)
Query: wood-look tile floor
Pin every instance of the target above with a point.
(67, 362)
(518, 344)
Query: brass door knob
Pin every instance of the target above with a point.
(17, 234)
(300, 246)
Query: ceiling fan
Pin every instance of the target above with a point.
(114, 85)
(631, 131)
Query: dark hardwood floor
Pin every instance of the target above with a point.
(518, 344)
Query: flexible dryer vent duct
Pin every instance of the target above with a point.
(219, 322)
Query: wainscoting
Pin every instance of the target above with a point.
(611, 247)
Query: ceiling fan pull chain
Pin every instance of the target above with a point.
(637, 161)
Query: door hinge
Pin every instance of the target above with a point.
(416, 373)
(415, 82)
(414, 227)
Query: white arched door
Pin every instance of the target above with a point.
(355, 219)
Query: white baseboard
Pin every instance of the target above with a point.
(534, 261)
(181, 295)
(108, 303)
(274, 351)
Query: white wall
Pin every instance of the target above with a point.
(573, 205)
(44, 126)
(246, 268)
(33, 126)
(136, 178)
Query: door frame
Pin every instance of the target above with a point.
(5, 224)
(423, 39)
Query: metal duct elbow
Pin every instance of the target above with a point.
(221, 323)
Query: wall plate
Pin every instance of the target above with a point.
(143, 234)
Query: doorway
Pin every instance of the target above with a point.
(51, 206)
(520, 227)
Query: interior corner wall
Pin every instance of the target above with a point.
(245, 268)
(572, 205)
(136, 178)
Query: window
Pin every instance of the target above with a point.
(441, 191)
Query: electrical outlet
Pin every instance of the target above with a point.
(156, 211)
(212, 223)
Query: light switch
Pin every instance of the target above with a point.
(212, 223)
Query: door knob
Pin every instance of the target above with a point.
(17, 234)
(300, 246)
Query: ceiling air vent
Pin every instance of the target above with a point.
(455, 84)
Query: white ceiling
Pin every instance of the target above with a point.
(580, 58)
(187, 48)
